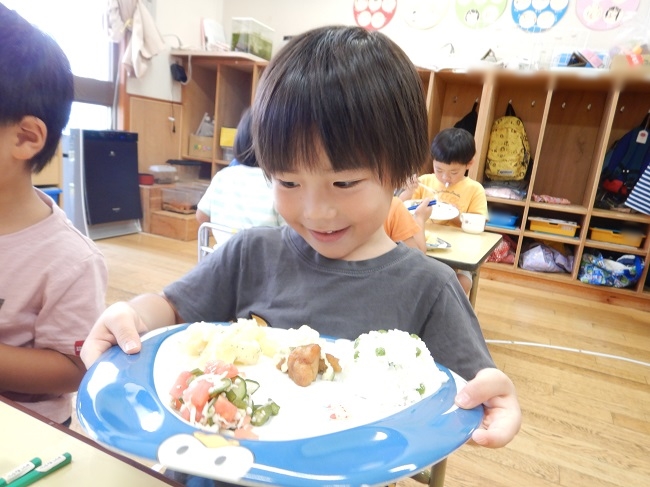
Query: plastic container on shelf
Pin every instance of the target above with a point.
(502, 220)
(553, 226)
(185, 169)
(181, 199)
(252, 36)
(620, 237)
(163, 173)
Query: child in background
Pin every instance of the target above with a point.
(53, 278)
(453, 151)
(402, 226)
(333, 164)
(239, 196)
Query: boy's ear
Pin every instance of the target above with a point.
(31, 133)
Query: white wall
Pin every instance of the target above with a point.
(179, 22)
(424, 46)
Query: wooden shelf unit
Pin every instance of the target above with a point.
(571, 118)
(222, 85)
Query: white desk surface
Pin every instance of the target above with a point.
(25, 436)
(468, 251)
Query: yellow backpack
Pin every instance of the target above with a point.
(508, 153)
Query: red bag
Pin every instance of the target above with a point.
(504, 252)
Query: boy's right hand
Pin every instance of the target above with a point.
(122, 323)
(119, 325)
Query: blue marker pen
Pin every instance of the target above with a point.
(40, 472)
(19, 471)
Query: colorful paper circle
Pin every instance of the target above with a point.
(538, 15)
(605, 14)
(374, 14)
(479, 13)
(423, 14)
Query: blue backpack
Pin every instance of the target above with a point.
(626, 160)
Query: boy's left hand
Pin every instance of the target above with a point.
(501, 412)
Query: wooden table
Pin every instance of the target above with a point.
(26, 435)
(467, 252)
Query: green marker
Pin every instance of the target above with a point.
(39, 472)
(19, 471)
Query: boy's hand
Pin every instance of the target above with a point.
(501, 412)
(119, 325)
(423, 212)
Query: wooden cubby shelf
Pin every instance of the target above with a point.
(572, 117)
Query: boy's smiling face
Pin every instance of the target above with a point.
(340, 214)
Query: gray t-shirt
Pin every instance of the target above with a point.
(274, 274)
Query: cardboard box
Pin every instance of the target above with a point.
(252, 36)
(200, 147)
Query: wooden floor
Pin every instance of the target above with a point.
(582, 370)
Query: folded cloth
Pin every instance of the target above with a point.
(544, 198)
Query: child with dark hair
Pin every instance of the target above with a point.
(453, 151)
(53, 278)
(239, 196)
(329, 120)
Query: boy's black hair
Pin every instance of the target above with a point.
(36, 80)
(351, 93)
(243, 147)
(453, 145)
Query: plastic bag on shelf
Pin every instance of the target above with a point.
(620, 273)
(543, 258)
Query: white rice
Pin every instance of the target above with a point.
(392, 368)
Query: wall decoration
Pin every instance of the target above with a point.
(479, 13)
(374, 14)
(605, 14)
(538, 15)
(423, 14)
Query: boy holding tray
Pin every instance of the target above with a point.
(339, 121)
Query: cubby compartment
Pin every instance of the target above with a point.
(593, 271)
(528, 95)
(451, 96)
(547, 256)
(612, 234)
(503, 217)
(221, 85)
(573, 138)
(554, 225)
(505, 254)
(632, 105)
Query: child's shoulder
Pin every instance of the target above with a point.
(468, 182)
